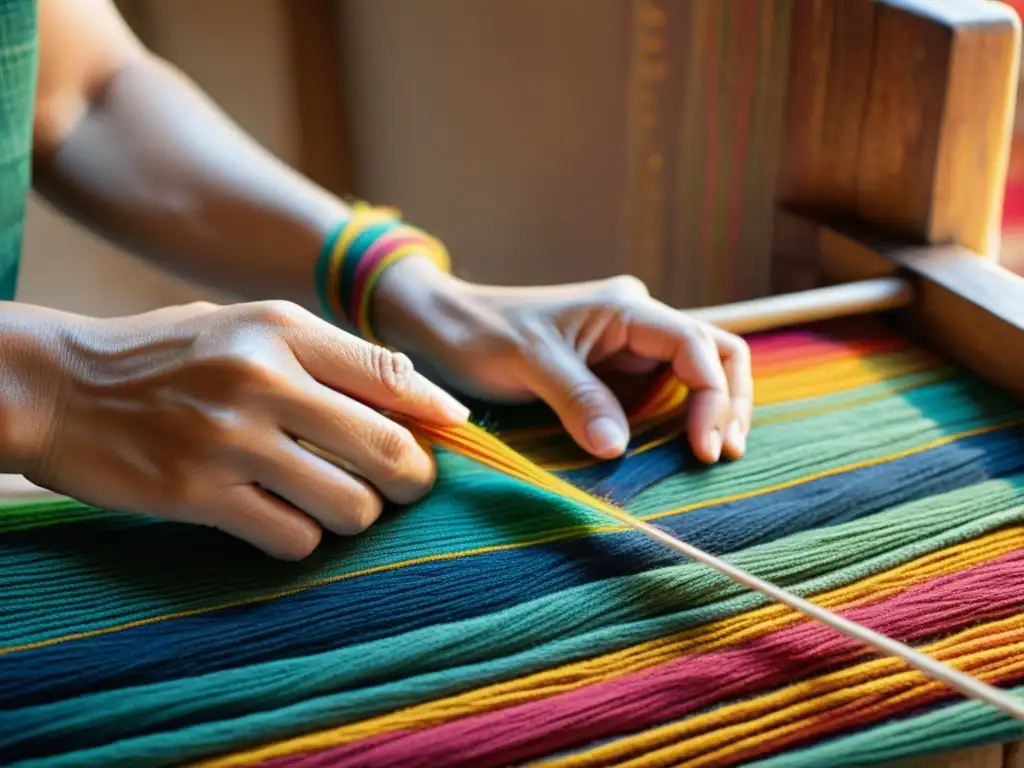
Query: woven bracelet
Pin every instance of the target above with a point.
(358, 252)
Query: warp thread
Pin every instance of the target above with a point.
(714, 636)
(675, 689)
(949, 728)
(388, 603)
(332, 687)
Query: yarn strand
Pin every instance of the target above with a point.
(476, 443)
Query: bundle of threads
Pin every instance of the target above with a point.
(358, 252)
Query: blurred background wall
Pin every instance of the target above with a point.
(543, 140)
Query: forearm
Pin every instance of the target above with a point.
(156, 167)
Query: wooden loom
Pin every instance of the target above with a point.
(891, 182)
(894, 160)
(892, 171)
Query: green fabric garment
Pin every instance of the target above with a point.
(19, 58)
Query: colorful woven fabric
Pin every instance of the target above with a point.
(498, 622)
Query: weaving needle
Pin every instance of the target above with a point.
(477, 443)
(961, 682)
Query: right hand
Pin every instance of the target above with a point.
(195, 414)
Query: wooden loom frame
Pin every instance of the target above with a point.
(895, 152)
(897, 140)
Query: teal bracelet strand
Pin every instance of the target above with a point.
(357, 253)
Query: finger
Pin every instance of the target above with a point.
(586, 407)
(371, 445)
(735, 356)
(660, 333)
(270, 524)
(341, 503)
(371, 373)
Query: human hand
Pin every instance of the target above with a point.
(195, 414)
(565, 345)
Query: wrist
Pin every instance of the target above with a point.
(414, 305)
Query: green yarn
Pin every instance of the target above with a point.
(889, 388)
(277, 699)
(780, 452)
(957, 726)
(464, 494)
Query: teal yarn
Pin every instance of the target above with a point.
(323, 263)
(465, 492)
(119, 646)
(572, 625)
(952, 727)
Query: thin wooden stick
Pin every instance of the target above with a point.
(762, 314)
(862, 297)
(857, 298)
(478, 444)
(965, 684)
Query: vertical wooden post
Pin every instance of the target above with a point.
(317, 73)
(899, 117)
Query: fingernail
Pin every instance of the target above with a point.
(715, 445)
(606, 437)
(737, 439)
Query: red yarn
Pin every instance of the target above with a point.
(672, 690)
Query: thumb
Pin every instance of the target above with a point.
(587, 408)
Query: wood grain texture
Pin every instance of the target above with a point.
(824, 303)
(1013, 756)
(969, 309)
(317, 68)
(899, 116)
(977, 757)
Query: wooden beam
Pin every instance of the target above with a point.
(314, 34)
(969, 309)
(899, 116)
(974, 757)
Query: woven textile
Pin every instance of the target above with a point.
(18, 63)
(495, 623)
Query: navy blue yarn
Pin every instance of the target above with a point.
(392, 602)
(622, 479)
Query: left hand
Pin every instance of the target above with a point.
(567, 345)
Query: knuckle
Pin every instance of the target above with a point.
(737, 346)
(224, 436)
(188, 490)
(253, 369)
(276, 312)
(363, 512)
(398, 452)
(202, 306)
(238, 374)
(625, 287)
(394, 371)
(587, 395)
(699, 335)
(507, 347)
